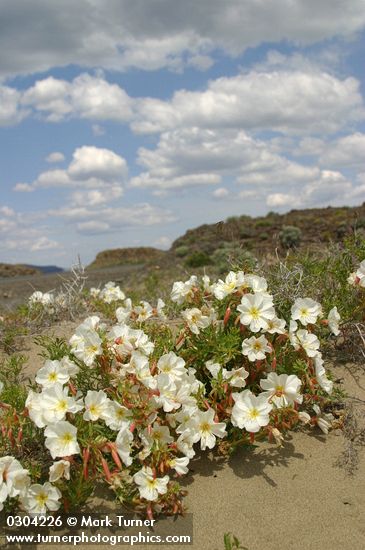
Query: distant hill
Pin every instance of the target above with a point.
(122, 256)
(17, 270)
(316, 228)
(46, 268)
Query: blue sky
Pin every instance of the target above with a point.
(125, 123)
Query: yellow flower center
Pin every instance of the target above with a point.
(62, 405)
(254, 413)
(303, 312)
(257, 346)
(94, 409)
(279, 391)
(152, 483)
(254, 312)
(205, 427)
(67, 437)
(52, 377)
(41, 498)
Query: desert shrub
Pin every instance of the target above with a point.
(198, 259)
(247, 232)
(264, 236)
(263, 223)
(129, 403)
(182, 250)
(290, 236)
(231, 254)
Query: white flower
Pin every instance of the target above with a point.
(35, 409)
(257, 284)
(52, 373)
(360, 274)
(276, 326)
(139, 365)
(94, 292)
(204, 429)
(250, 412)
(144, 311)
(232, 282)
(207, 286)
(160, 309)
(352, 279)
(55, 403)
(333, 321)
(185, 443)
(306, 311)
(61, 439)
(149, 486)
(195, 319)
(256, 311)
(323, 420)
(86, 345)
(1, 386)
(183, 291)
(281, 390)
(116, 416)
(322, 379)
(59, 469)
(171, 364)
(304, 417)
(158, 435)
(111, 293)
(69, 365)
(14, 479)
(235, 377)
(308, 341)
(123, 444)
(96, 405)
(40, 498)
(180, 465)
(255, 348)
(123, 313)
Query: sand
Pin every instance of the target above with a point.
(272, 498)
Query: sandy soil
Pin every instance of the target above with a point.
(272, 498)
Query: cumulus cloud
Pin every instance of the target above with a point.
(91, 168)
(195, 156)
(103, 219)
(55, 157)
(89, 97)
(10, 110)
(220, 193)
(348, 151)
(119, 34)
(291, 102)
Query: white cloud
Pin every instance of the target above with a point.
(292, 102)
(348, 151)
(10, 110)
(91, 168)
(88, 97)
(119, 34)
(55, 157)
(7, 211)
(93, 162)
(220, 193)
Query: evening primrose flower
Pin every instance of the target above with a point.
(321, 377)
(250, 412)
(195, 319)
(308, 341)
(306, 311)
(323, 420)
(281, 390)
(123, 444)
(235, 377)
(256, 310)
(158, 435)
(204, 429)
(56, 402)
(96, 405)
(144, 311)
(87, 346)
(183, 291)
(35, 409)
(232, 282)
(149, 486)
(58, 470)
(180, 465)
(61, 439)
(123, 313)
(360, 274)
(40, 498)
(333, 321)
(14, 479)
(111, 293)
(276, 326)
(171, 364)
(255, 348)
(52, 373)
(116, 416)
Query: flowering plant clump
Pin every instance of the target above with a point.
(131, 403)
